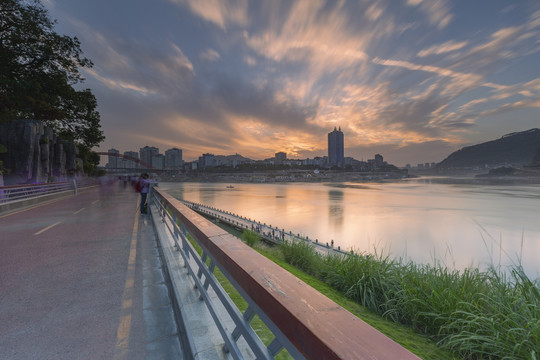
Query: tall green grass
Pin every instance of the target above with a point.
(250, 237)
(478, 315)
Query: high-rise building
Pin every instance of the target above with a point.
(336, 153)
(173, 159)
(280, 157)
(206, 161)
(147, 153)
(113, 160)
(158, 161)
(379, 161)
(131, 164)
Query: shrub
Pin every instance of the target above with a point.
(251, 237)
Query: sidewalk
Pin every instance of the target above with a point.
(80, 278)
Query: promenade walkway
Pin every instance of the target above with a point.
(80, 278)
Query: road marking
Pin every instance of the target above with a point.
(47, 228)
(124, 327)
(78, 211)
(95, 201)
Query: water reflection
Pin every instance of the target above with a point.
(335, 208)
(458, 225)
(207, 195)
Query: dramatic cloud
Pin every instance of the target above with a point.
(437, 11)
(443, 48)
(251, 77)
(220, 12)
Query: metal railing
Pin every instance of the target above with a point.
(16, 193)
(270, 233)
(303, 321)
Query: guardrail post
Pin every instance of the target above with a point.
(275, 347)
(207, 280)
(176, 233)
(185, 247)
(248, 316)
(203, 260)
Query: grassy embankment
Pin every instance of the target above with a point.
(471, 314)
(477, 315)
(404, 335)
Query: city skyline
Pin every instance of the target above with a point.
(412, 79)
(172, 158)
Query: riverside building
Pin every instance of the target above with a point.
(147, 153)
(336, 153)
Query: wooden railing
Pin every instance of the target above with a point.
(305, 322)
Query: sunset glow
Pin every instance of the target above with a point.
(413, 80)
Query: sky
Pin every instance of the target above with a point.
(412, 80)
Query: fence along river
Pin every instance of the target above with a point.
(457, 225)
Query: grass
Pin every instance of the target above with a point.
(477, 315)
(250, 237)
(435, 312)
(404, 335)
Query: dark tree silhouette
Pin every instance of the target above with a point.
(38, 69)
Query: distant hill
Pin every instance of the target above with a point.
(516, 149)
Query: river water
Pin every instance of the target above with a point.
(423, 220)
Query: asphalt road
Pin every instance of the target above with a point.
(80, 278)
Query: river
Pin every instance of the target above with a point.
(423, 220)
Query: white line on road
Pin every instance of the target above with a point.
(95, 201)
(78, 211)
(47, 228)
(124, 328)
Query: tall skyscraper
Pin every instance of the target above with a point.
(336, 152)
(147, 153)
(173, 159)
(113, 160)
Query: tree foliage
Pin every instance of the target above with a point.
(38, 69)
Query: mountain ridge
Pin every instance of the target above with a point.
(514, 149)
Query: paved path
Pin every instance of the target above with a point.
(80, 278)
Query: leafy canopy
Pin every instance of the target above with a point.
(38, 69)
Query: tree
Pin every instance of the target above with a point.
(38, 69)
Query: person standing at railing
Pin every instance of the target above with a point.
(145, 189)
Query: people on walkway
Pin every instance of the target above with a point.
(145, 188)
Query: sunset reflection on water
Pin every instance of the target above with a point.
(458, 225)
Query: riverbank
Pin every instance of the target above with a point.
(438, 302)
(404, 335)
(458, 224)
(286, 176)
(474, 314)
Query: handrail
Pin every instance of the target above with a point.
(16, 193)
(304, 321)
(32, 185)
(268, 232)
